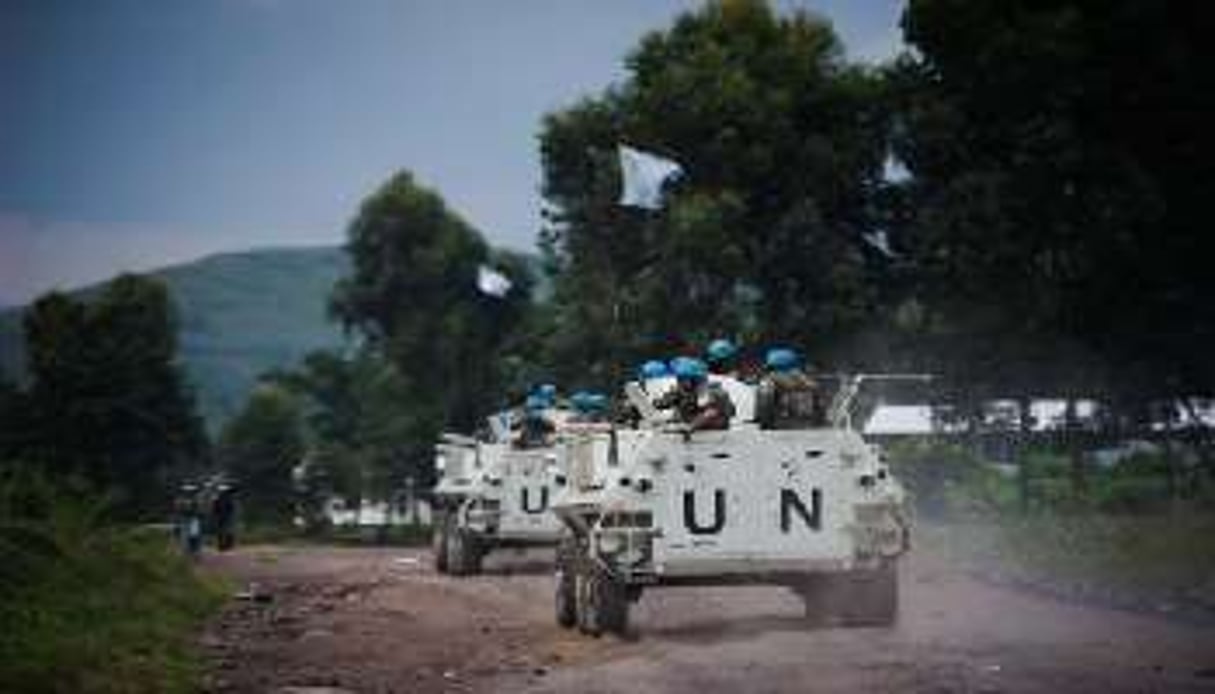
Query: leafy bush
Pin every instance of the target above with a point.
(947, 480)
(87, 606)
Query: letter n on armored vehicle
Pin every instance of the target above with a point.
(815, 509)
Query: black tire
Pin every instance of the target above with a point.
(865, 597)
(874, 596)
(463, 553)
(565, 599)
(819, 598)
(439, 543)
(474, 552)
(456, 553)
(588, 617)
(603, 603)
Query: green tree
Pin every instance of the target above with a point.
(1055, 211)
(782, 142)
(365, 435)
(13, 420)
(413, 295)
(260, 448)
(107, 399)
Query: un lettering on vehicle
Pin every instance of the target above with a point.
(697, 520)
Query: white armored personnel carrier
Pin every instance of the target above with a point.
(814, 509)
(491, 494)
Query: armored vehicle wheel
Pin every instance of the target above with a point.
(457, 551)
(463, 552)
(818, 597)
(565, 598)
(874, 596)
(439, 543)
(474, 552)
(603, 603)
(866, 597)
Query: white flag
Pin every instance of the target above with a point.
(492, 282)
(878, 240)
(644, 175)
(893, 170)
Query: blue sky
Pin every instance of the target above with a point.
(137, 133)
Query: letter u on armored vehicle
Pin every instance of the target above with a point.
(813, 508)
(492, 494)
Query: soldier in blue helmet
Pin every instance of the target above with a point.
(547, 392)
(653, 369)
(654, 377)
(721, 355)
(698, 403)
(536, 428)
(787, 398)
(589, 406)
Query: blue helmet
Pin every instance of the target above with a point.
(689, 369)
(781, 359)
(535, 403)
(546, 392)
(654, 369)
(720, 350)
(586, 401)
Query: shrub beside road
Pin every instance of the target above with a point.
(87, 606)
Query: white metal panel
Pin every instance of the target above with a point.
(526, 492)
(752, 471)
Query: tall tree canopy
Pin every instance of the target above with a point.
(782, 142)
(1061, 156)
(413, 294)
(363, 435)
(261, 448)
(107, 399)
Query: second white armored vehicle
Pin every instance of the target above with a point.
(491, 494)
(815, 509)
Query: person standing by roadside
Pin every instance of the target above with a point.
(223, 514)
(189, 520)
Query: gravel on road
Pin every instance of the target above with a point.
(327, 619)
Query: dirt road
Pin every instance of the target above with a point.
(382, 620)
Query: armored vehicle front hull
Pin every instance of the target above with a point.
(491, 496)
(816, 510)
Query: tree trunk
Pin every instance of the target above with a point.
(1025, 428)
(1075, 450)
(1170, 457)
(1202, 445)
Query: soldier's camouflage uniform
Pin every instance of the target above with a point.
(703, 407)
(789, 400)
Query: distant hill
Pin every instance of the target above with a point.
(240, 314)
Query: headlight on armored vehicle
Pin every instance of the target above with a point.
(611, 543)
(637, 552)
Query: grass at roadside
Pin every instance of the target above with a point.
(90, 607)
(1159, 562)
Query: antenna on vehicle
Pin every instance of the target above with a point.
(638, 398)
(840, 412)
